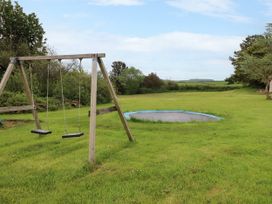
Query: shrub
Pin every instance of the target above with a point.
(152, 81)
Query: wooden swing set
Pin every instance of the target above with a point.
(96, 59)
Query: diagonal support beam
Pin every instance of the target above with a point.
(29, 96)
(115, 99)
(6, 76)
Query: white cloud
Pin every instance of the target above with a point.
(216, 8)
(166, 42)
(180, 41)
(175, 55)
(117, 2)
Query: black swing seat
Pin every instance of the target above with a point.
(71, 135)
(41, 132)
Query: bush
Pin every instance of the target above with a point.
(171, 85)
(103, 94)
(206, 87)
(13, 99)
(19, 99)
(131, 80)
(152, 81)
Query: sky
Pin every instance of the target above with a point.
(177, 39)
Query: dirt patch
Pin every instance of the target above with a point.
(13, 123)
(214, 192)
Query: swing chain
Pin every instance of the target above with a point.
(31, 83)
(62, 99)
(47, 93)
(79, 93)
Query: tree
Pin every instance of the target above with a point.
(152, 81)
(253, 63)
(171, 85)
(247, 47)
(258, 67)
(131, 79)
(20, 33)
(118, 68)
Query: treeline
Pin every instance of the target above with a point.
(129, 80)
(22, 34)
(72, 76)
(253, 62)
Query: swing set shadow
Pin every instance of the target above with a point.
(18, 62)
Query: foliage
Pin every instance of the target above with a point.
(71, 79)
(131, 79)
(215, 162)
(103, 94)
(207, 86)
(12, 99)
(118, 67)
(152, 81)
(252, 62)
(171, 85)
(20, 33)
(246, 47)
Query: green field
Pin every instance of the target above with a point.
(207, 86)
(229, 161)
(200, 83)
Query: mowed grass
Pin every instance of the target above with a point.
(229, 161)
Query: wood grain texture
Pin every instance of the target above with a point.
(6, 77)
(93, 112)
(29, 96)
(102, 111)
(59, 57)
(15, 108)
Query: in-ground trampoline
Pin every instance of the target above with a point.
(170, 116)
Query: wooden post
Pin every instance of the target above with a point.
(93, 112)
(115, 100)
(270, 87)
(6, 76)
(29, 96)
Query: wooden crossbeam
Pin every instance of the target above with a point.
(104, 110)
(6, 76)
(16, 108)
(59, 57)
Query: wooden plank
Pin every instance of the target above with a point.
(29, 96)
(104, 110)
(59, 57)
(6, 76)
(93, 112)
(115, 99)
(15, 108)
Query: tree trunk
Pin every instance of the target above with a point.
(269, 92)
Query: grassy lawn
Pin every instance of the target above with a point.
(229, 161)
